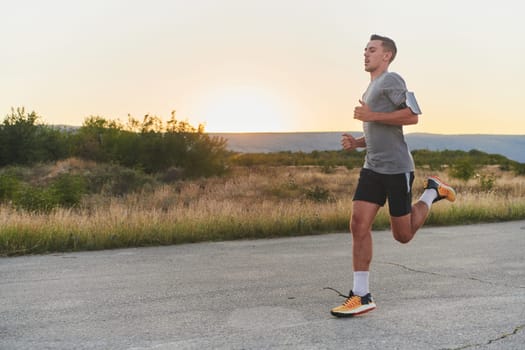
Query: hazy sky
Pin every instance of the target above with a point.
(268, 65)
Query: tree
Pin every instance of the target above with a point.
(23, 140)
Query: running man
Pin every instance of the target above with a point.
(388, 171)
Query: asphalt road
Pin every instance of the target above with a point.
(451, 288)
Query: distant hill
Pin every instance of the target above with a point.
(510, 146)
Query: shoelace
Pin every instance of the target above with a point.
(352, 301)
(338, 292)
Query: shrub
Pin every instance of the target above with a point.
(68, 189)
(318, 194)
(9, 186)
(328, 169)
(35, 199)
(126, 181)
(171, 175)
(486, 182)
(463, 170)
(287, 190)
(519, 169)
(113, 179)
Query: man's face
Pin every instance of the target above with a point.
(375, 56)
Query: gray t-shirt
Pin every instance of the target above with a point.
(386, 149)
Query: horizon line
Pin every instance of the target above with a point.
(357, 131)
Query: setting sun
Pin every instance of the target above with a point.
(244, 109)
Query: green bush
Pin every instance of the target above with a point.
(463, 170)
(486, 182)
(113, 179)
(287, 190)
(68, 190)
(519, 169)
(35, 199)
(318, 194)
(328, 169)
(127, 181)
(9, 186)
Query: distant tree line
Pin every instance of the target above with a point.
(148, 145)
(462, 164)
(325, 159)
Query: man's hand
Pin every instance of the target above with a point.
(350, 143)
(363, 112)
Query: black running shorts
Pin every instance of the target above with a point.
(376, 188)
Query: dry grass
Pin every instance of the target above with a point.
(251, 203)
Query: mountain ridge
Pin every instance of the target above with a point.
(510, 146)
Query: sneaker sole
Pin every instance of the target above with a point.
(362, 310)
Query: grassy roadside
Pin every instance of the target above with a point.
(251, 202)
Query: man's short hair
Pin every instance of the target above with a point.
(387, 43)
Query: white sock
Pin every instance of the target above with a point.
(428, 197)
(361, 283)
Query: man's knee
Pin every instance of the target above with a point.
(401, 229)
(363, 215)
(403, 236)
(359, 228)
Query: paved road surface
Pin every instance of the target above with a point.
(451, 288)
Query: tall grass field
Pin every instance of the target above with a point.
(250, 202)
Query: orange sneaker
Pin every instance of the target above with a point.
(354, 305)
(443, 190)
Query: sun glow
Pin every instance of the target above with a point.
(244, 109)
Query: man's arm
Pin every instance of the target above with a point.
(350, 143)
(403, 116)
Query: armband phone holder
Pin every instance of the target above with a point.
(411, 103)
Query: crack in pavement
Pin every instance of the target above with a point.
(451, 276)
(516, 330)
(490, 341)
(501, 337)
